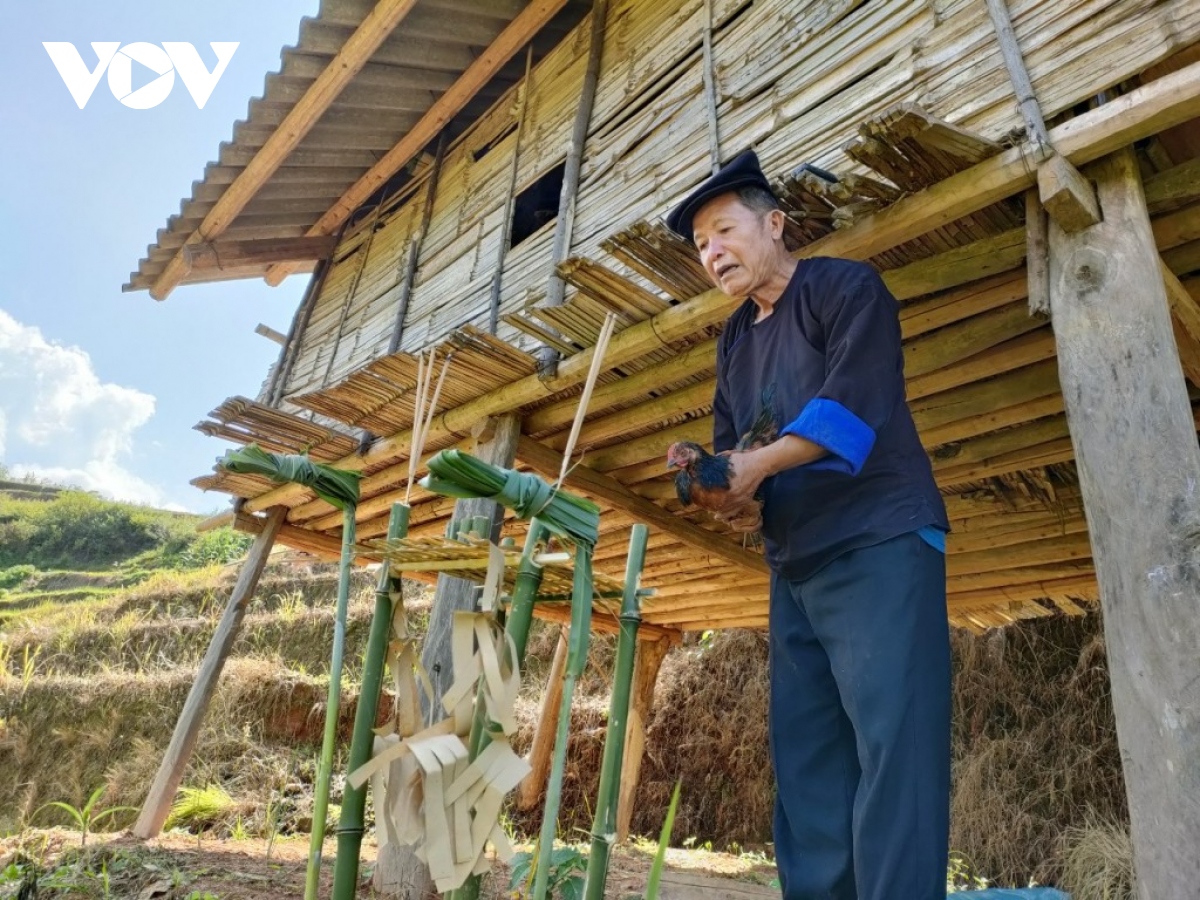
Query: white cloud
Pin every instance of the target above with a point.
(60, 422)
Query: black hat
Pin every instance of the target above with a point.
(742, 172)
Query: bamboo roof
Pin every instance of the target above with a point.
(422, 54)
(938, 208)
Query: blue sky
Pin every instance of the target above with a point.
(97, 387)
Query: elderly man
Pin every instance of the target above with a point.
(854, 529)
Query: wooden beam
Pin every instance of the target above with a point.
(270, 334)
(1185, 314)
(597, 484)
(603, 623)
(1066, 195)
(213, 256)
(650, 656)
(1037, 261)
(374, 30)
(1081, 586)
(1139, 465)
(519, 32)
(529, 792)
(187, 729)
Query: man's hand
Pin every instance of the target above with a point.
(745, 475)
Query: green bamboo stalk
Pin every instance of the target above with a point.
(525, 587)
(354, 800)
(325, 765)
(603, 827)
(581, 627)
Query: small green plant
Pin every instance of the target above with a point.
(567, 868)
(961, 875)
(201, 895)
(86, 817)
(238, 831)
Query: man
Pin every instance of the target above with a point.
(854, 530)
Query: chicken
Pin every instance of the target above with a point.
(765, 428)
(703, 478)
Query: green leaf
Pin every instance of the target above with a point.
(458, 474)
(335, 486)
(664, 839)
(519, 868)
(572, 888)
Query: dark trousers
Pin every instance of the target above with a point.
(860, 726)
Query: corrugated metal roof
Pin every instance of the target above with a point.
(416, 64)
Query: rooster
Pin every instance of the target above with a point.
(703, 477)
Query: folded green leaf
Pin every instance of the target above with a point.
(335, 486)
(454, 473)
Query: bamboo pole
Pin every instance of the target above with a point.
(325, 764)
(710, 91)
(350, 825)
(564, 224)
(604, 825)
(414, 247)
(581, 613)
(506, 227)
(291, 349)
(1035, 125)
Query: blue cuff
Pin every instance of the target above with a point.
(847, 437)
(933, 536)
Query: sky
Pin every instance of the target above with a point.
(98, 388)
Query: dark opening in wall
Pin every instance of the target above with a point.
(536, 205)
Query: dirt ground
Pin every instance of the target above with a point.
(184, 867)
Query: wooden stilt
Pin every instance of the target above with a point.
(530, 791)
(650, 655)
(398, 871)
(1139, 467)
(187, 729)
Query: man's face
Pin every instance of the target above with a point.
(736, 244)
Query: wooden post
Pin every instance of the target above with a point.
(398, 871)
(1037, 255)
(1139, 471)
(650, 655)
(542, 749)
(187, 729)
